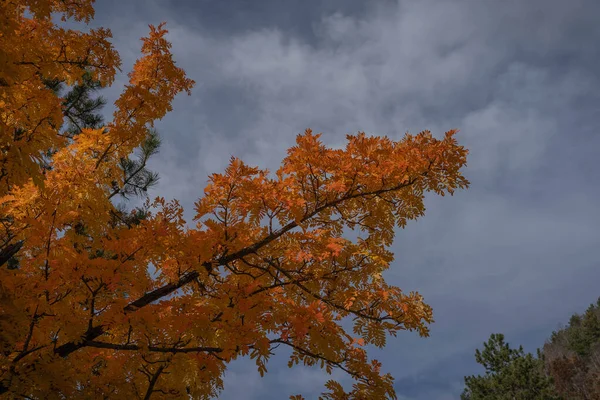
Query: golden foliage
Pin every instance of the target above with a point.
(267, 264)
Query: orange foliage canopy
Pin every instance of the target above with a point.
(266, 265)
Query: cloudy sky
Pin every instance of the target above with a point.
(517, 253)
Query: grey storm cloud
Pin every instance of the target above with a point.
(516, 253)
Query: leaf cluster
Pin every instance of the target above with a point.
(109, 303)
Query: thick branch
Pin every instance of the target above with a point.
(153, 382)
(135, 347)
(70, 347)
(10, 250)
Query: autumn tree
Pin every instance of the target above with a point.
(113, 304)
(573, 356)
(510, 374)
(82, 110)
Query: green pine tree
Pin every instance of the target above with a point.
(510, 374)
(81, 110)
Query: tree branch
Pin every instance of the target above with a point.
(10, 250)
(135, 347)
(153, 381)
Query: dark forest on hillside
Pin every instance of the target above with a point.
(567, 367)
